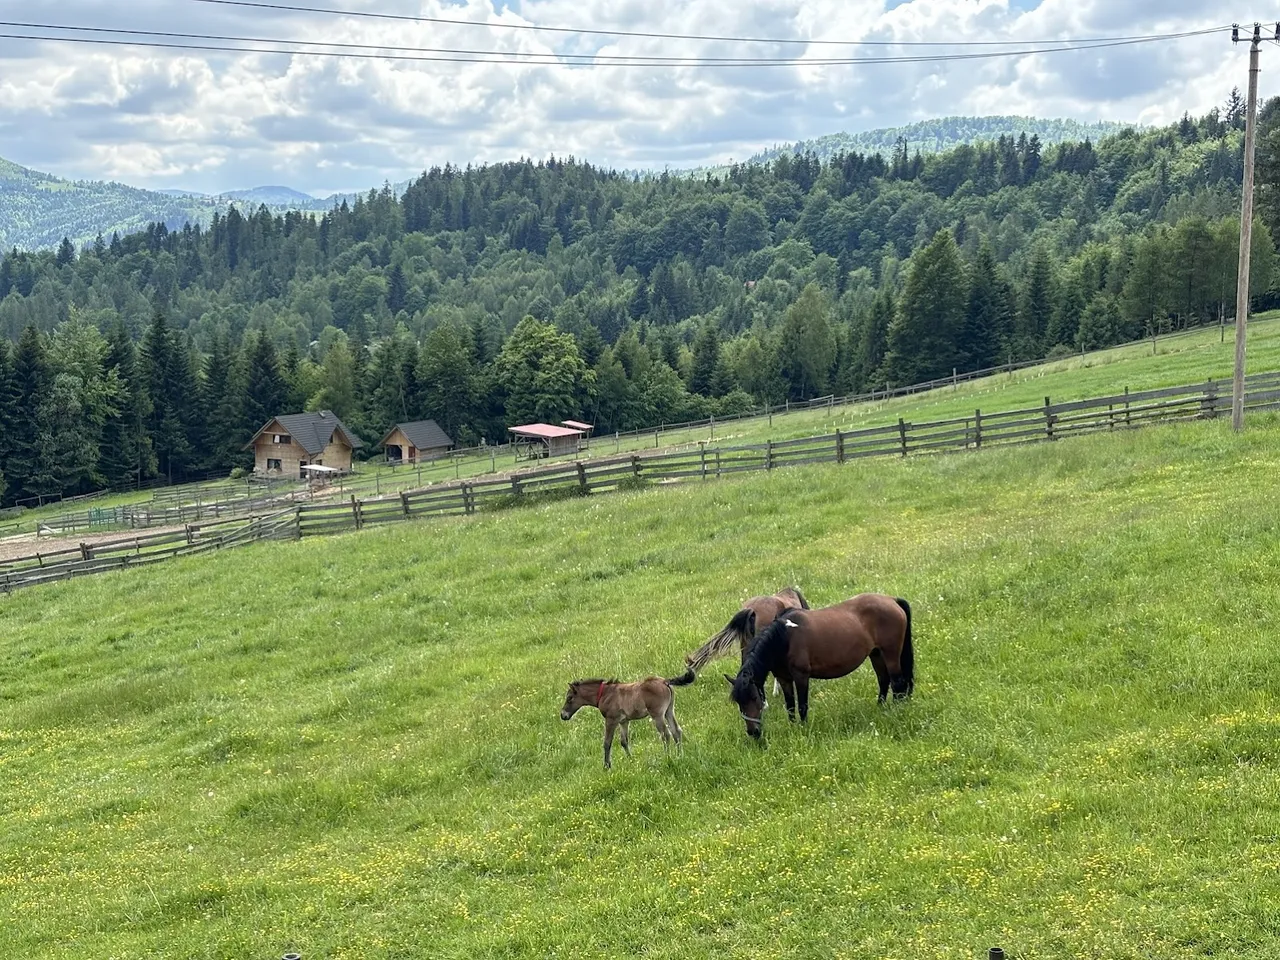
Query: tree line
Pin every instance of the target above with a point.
(484, 297)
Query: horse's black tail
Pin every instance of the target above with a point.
(908, 656)
(683, 680)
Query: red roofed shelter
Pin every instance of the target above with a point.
(533, 441)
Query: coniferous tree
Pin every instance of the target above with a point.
(924, 336)
(66, 254)
(986, 319)
(9, 397)
(706, 359)
(27, 468)
(806, 344)
(1036, 308)
(266, 394)
(447, 377)
(127, 458)
(397, 289)
(167, 375)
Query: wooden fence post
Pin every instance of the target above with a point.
(839, 446)
(1209, 405)
(468, 499)
(190, 536)
(1048, 419)
(355, 510)
(717, 464)
(404, 502)
(635, 464)
(582, 477)
(902, 435)
(1126, 406)
(768, 454)
(86, 552)
(977, 429)
(702, 450)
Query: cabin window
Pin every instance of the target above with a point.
(273, 464)
(281, 438)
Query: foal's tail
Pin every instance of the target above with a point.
(908, 656)
(683, 680)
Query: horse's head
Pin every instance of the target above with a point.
(577, 698)
(750, 699)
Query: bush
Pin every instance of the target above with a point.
(1060, 351)
(238, 473)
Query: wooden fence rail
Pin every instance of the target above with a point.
(1044, 423)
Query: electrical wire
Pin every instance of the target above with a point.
(403, 17)
(448, 55)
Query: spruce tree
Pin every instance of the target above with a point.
(66, 254)
(397, 289)
(265, 392)
(8, 406)
(986, 319)
(924, 336)
(706, 357)
(127, 457)
(27, 468)
(1036, 308)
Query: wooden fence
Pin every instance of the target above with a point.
(137, 551)
(1047, 422)
(143, 516)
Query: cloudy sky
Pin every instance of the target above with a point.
(215, 121)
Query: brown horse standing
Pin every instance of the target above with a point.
(804, 645)
(756, 614)
(620, 703)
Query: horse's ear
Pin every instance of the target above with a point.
(751, 623)
(728, 679)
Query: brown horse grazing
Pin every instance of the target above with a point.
(804, 645)
(620, 703)
(756, 614)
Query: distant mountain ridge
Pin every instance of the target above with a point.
(38, 209)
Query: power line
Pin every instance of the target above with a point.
(449, 55)
(367, 14)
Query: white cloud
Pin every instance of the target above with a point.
(217, 121)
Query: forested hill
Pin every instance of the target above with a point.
(38, 209)
(554, 290)
(945, 133)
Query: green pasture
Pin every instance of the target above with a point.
(350, 747)
(1171, 361)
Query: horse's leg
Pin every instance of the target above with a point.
(893, 665)
(882, 674)
(802, 696)
(789, 694)
(625, 737)
(609, 726)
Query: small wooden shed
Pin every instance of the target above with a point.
(533, 441)
(414, 442)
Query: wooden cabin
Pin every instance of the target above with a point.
(291, 441)
(414, 442)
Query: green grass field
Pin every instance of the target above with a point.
(1176, 360)
(350, 746)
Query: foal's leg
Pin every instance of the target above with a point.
(671, 721)
(660, 725)
(609, 726)
(882, 674)
(625, 737)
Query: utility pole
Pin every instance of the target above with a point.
(1246, 225)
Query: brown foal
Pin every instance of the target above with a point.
(620, 703)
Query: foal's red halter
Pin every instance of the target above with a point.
(600, 693)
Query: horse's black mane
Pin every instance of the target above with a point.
(596, 680)
(769, 643)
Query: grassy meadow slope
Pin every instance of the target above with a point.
(350, 747)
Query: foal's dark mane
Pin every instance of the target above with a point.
(771, 641)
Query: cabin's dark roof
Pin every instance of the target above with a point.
(423, 434)
(311, 431)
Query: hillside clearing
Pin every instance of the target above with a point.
(350, 746)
